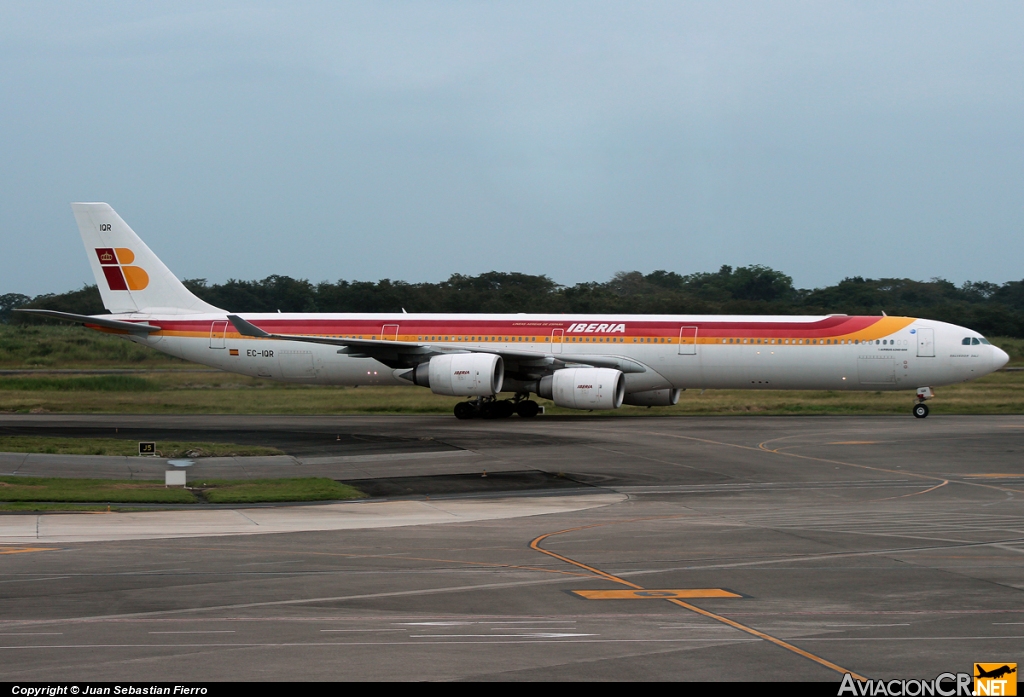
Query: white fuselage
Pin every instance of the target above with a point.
(717, 352)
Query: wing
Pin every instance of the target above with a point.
(404, 354)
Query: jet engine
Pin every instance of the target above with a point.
(460, 374)
(584, 388)
(653, 398)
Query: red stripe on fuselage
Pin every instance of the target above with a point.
(824, 328)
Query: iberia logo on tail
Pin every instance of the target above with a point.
(121, 276)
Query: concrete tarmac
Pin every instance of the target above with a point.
(755, 548)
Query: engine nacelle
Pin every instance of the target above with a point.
(584, 388)
(461, 374)
(653, 398)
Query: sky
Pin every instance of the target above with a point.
(414, 140)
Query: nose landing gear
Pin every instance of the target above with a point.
(921, 409)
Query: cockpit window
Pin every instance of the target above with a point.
(986, 341)
(966, 341)
(975, 342)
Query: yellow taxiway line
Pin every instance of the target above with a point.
(535, 545)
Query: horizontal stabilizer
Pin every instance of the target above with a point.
(93, 321)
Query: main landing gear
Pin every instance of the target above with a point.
(921, 409)
(491, 408)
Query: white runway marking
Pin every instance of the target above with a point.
(553, 635)
(362, 630)
(898, 624)
(200, 631)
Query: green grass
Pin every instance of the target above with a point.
(268, 490)
(119, 446)
(52, 489)
(25, 493)
(99, 383)
(72, 346)
(34, 507)
(183, 392)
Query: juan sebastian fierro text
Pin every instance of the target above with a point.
(54, 690)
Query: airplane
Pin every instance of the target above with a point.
(994, 673)
(586, 362)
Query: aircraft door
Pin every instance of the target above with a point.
(556, 340)
(218, 330)
(688, 341)
(389, 332)
(925, 342)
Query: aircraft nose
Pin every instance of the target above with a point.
(999, 358)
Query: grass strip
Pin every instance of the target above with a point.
(42, 493)
(270, 490)
(34, 507)
(54, 445)
(96, 383)
(56, 490)
(999, 393)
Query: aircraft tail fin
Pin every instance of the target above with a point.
(131, 278)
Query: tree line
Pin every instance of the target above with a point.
(993, 309)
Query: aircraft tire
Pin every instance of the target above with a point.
(920, 410)
(488, 410)
(528, 409)
(464, 410)
(504, 409)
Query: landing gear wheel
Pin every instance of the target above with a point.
(920, 410)
(504, 409)
(527, 409)
(465, 410)
(488, 410)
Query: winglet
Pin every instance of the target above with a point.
(247, 329)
